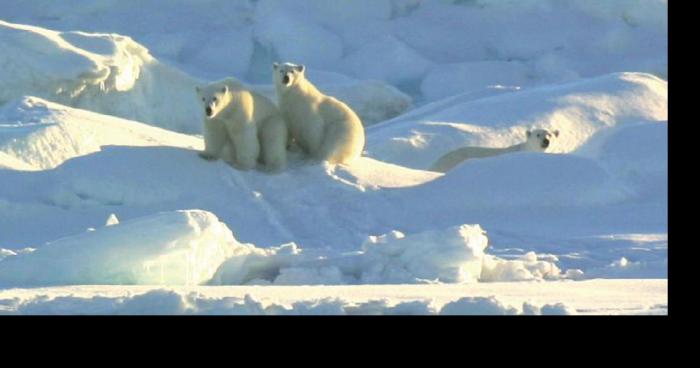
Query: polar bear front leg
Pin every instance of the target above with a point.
(215, 138)
(310, 135)
(228, 153)
(247, 148)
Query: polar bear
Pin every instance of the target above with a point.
(242, 127)
(322, 126)
(537, 140)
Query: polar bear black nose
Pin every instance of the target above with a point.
(285, 79)
(208, 111)
(545, 143)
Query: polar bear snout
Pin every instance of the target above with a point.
(545, 143)
(208, 111)
(285, 80)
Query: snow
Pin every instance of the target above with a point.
(100, 182)
(597, 297)
(107, 73)
(114, 75)
(193, 247)
(578, 109)
(455, 255)
(399, 63)
(179, 248)
(42, 135)
(344, 206)
(453, 79)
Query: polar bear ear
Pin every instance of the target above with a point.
(275, 66)
(300, 68)
(556, 133)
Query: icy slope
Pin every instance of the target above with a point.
(596, 200)
(411, 43)
(113, 74)
(193, 247)
(107, 73)
(177, 248)
(42, 135)
(579, 110)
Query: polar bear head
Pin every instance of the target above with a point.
(539, 139)
(286, 75)
(214, 97)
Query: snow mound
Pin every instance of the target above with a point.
(577, 109)
(36, 134)
(455, 79)
(453, 255)
(291, 38)
(170, 302)
(193, 247)
(111, 166)
(527, 267)
(400, 64)
(524, 180)
(106, 73)
(638, 156)
(12, 163)
(112, 74)
(175, 248)
(555, 40)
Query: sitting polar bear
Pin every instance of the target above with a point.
(322, 126)
(537, 140)
(242, 127)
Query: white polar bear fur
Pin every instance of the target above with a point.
(537, 140)
(322, 126)
(243, 128)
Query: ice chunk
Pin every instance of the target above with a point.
(106, 73)
(452, 255)
(112, 220)
(171, 248)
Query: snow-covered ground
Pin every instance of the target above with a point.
(609, 297)
(100, 183)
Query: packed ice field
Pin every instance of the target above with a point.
(106, 207)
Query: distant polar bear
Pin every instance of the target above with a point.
(322, 126)
(242, 127)
(537, 140)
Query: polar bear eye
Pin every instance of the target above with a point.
(215, 99)
(202, 99)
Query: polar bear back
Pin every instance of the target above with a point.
(454, 158)
(250, 106)
(323, 126)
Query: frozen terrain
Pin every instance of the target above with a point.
(100, 182)
(612, 297)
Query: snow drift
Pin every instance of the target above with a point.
(428, 49)
(105, 172)
(193, 247)
(177, 248)
(113, 74)
(163, 301)
(107, 73)
(577, 109)
(595, 205)
(38, 134)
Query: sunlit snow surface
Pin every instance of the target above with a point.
(100, 183)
